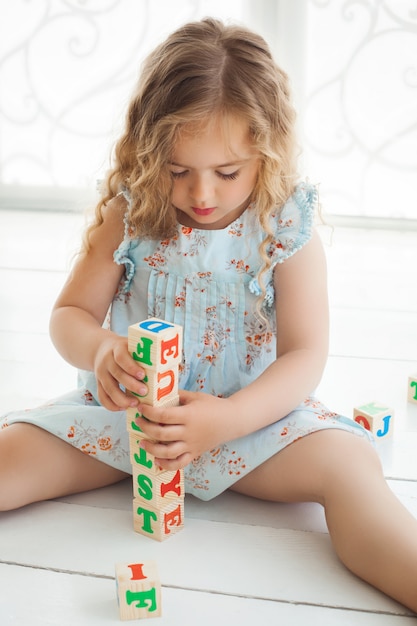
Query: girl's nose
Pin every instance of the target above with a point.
(200, 189)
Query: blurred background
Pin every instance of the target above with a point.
(68, 67)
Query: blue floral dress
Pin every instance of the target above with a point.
(205, 280)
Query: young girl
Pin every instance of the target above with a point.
(203, 223)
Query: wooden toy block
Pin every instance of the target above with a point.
(157, 491)
(140, 459)
(159, 524)
(412, 389)
(376, 418)
(132, 413)
(132, 427)
(138, 590)
(157, 345)
(162, 385)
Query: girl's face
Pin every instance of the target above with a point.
(214, 171)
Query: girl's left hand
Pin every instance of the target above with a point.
(181, 434)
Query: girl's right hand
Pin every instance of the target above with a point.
(115, 368)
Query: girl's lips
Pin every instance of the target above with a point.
(199, 211)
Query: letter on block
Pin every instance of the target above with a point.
(141, 460)
(412, 389)
(158, 523)
(138, 590)
(375, 417)
(157, 491)
(155, 343)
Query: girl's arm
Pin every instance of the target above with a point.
(79, 312)
(302, 319)
(204, 421)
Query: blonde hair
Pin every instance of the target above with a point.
(203, 69)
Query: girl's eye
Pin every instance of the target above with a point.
(179, 174)
(231, 176)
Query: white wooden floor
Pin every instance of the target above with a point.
(237, 561)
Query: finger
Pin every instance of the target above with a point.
(159, 432)
(127, 381)
(127, 364)
(106, 400)
(188, 396)
(161, 415)
(160, 450)
(175, 464)
(111, 395)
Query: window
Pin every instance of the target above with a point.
(360, 106)
(67, 70)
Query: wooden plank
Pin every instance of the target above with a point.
(238, 509)
(68, 599)
(259, 562)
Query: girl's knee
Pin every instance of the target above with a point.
(348, 462)
(333, 460)
(341, 447)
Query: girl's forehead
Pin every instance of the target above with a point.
(227, 137)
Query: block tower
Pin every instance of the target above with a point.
(158, 504)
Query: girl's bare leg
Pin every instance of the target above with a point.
(35, 465)
(373, 533)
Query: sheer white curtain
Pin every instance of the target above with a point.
(360, 105)
(67, 68)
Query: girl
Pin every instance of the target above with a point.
(203, 223)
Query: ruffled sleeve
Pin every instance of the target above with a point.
(293, 228)
(294, 225)
(122, 256)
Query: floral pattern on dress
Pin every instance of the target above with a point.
(236, 229)
(214, 340)
(91, 441)
(259, 338)
(227, 460)
(195, 239)
(207, 281)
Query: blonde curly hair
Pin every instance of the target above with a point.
(203, 69)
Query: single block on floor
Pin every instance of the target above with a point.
(375, 417)
(138, 590)
(412, 389)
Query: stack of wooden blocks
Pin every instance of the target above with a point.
(158, 505)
